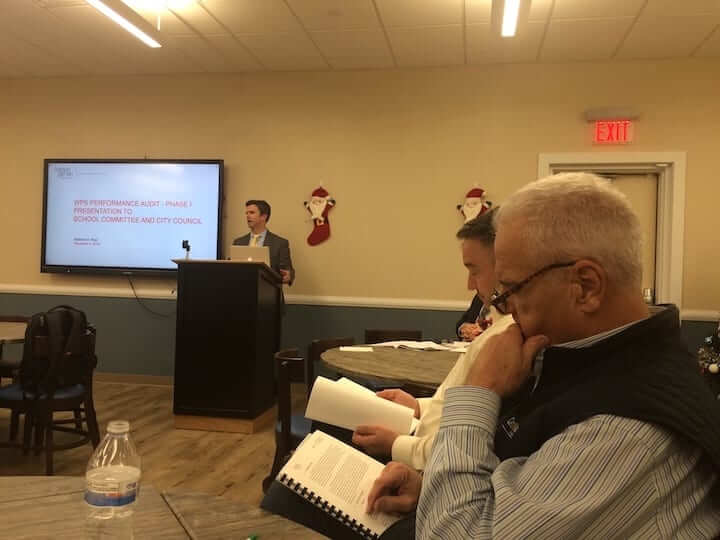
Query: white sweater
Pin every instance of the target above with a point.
(415, 449)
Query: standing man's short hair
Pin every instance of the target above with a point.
(480, 228)
(263, 207)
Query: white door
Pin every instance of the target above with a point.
(641, 190)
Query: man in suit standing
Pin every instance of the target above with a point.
(257, 214)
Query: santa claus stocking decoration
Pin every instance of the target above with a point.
(319, 206)
(475, 204)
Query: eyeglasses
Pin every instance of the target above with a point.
(499, 301)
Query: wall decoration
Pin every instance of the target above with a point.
(319, 206)
(475, 204)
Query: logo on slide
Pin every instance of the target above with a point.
(64, 172)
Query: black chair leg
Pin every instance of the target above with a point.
(282, 453)
(49, 444)
(38, 425)
(77, 413)
(92, 424)
(274, 470)
(27, 432)
(14, 424)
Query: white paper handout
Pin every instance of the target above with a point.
(423, 345)
(343, 404)
(352, 384)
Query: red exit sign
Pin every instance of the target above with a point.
(613, 131)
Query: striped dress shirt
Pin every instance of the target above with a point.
(605, 477)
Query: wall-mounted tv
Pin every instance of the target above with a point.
(129, 217)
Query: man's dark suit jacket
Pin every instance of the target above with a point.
(471, 315)
(279, 252)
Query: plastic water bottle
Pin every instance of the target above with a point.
(112, 485)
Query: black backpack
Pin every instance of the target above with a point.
(59, 351)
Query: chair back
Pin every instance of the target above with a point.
(59, 351)
(382, 335)
(315, 349)
(288, 364)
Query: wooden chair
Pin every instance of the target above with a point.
(380, 336)
(9, 367)
(290, 429)
(40, 410)
(315, 349)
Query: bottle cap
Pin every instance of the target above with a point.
(118, 426)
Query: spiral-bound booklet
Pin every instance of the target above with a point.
(337, 479)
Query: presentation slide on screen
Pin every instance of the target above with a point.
(130, 214)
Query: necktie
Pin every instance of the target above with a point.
(254, 239)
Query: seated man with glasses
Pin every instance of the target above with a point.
(612, 433)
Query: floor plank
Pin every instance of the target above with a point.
(231, 465)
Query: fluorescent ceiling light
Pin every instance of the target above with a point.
(122, 21)
(510, 18)
(159, 5)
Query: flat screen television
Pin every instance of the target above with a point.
(129, 217)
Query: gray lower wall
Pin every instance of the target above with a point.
(129, 338)
(133, 340)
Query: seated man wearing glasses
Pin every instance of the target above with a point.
(613, 433)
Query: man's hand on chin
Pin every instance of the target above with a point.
(505, 362)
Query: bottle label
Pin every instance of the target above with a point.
(111, 491)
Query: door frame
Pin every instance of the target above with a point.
(670, 170)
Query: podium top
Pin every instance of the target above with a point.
(226, 261)
(216, 261)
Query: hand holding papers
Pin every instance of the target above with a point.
(349, 405)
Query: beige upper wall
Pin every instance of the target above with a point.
(397, 150)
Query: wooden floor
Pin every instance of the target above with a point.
(226, 464)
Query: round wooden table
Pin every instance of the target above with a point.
(12, 332)
(424, 369)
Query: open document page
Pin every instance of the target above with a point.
(337, 478)
(343, 404)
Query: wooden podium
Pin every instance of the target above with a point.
(227, 331)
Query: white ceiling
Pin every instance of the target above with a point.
(46, 38)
